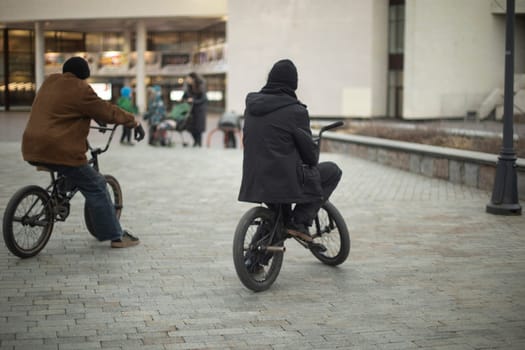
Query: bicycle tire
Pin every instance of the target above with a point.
(115, 193)
(330, 229)
(28, 218)
(253, 220)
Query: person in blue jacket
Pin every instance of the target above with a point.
(126, 103)
(155, 113)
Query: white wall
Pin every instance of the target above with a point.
(24, 10)
(454, 56)
(454, 49)
(338, 46)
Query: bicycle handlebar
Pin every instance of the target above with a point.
(139, 135)
(102, 128)
(329, 127)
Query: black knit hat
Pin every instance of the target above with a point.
(78, 66)
(284, 72)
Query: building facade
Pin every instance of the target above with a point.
(136, 43)
(410, 59)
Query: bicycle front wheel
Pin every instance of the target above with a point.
(28, 221)
(330, 230)
(115, 192)
(257, 268)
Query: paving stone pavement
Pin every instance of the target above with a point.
(428, 268)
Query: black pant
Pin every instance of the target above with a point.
(126, 134)
(197, 138)
(304, 213)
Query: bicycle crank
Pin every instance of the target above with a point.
(270, 248)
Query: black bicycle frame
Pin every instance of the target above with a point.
(59, 197)
(96, 151)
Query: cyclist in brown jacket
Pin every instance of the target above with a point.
(56, 137)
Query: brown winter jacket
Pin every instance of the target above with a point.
(60, 118)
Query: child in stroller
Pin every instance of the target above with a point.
(160, 125)
(177, 120)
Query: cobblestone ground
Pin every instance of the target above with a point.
(428, 267)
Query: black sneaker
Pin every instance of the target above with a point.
(318, 247)
(127, 240)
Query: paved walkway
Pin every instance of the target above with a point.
(428, 268)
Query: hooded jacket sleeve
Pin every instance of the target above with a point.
(308, 149)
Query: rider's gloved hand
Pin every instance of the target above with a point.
(100, 123)
(101, 126)
(139, 133)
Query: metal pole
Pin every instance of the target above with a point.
(504, 199)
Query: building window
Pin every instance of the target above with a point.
(18, 85)
(396, 27)
(107, 41)
(56, 41)
(396, 45)
(3, 80)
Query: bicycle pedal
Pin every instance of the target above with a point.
(317, 247)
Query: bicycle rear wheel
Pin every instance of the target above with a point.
(257, 268)
(330, 230)
(28, 221)
(115, 192)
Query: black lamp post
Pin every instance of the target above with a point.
(504, 199)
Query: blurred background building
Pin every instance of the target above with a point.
(410, 59)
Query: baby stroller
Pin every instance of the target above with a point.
(161, 130)
(177, 120)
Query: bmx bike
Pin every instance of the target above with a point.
(258, 243)
(32, 211)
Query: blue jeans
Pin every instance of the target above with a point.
(93, 187)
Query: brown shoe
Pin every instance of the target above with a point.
(127, 240)
(299, 231)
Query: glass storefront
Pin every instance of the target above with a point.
(17, 88)
(112, 59)
(2, 69)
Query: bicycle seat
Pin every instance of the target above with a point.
(41, 167)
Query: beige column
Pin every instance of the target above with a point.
(126, 49)
(140, 44)
(39, 55)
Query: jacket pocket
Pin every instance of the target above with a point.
(310, 179)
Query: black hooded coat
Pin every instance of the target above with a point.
(197, 121)
(280, 156)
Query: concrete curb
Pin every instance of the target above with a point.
(474, 169)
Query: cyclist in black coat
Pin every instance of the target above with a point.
(280, 157)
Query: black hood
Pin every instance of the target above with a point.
(258, 104)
